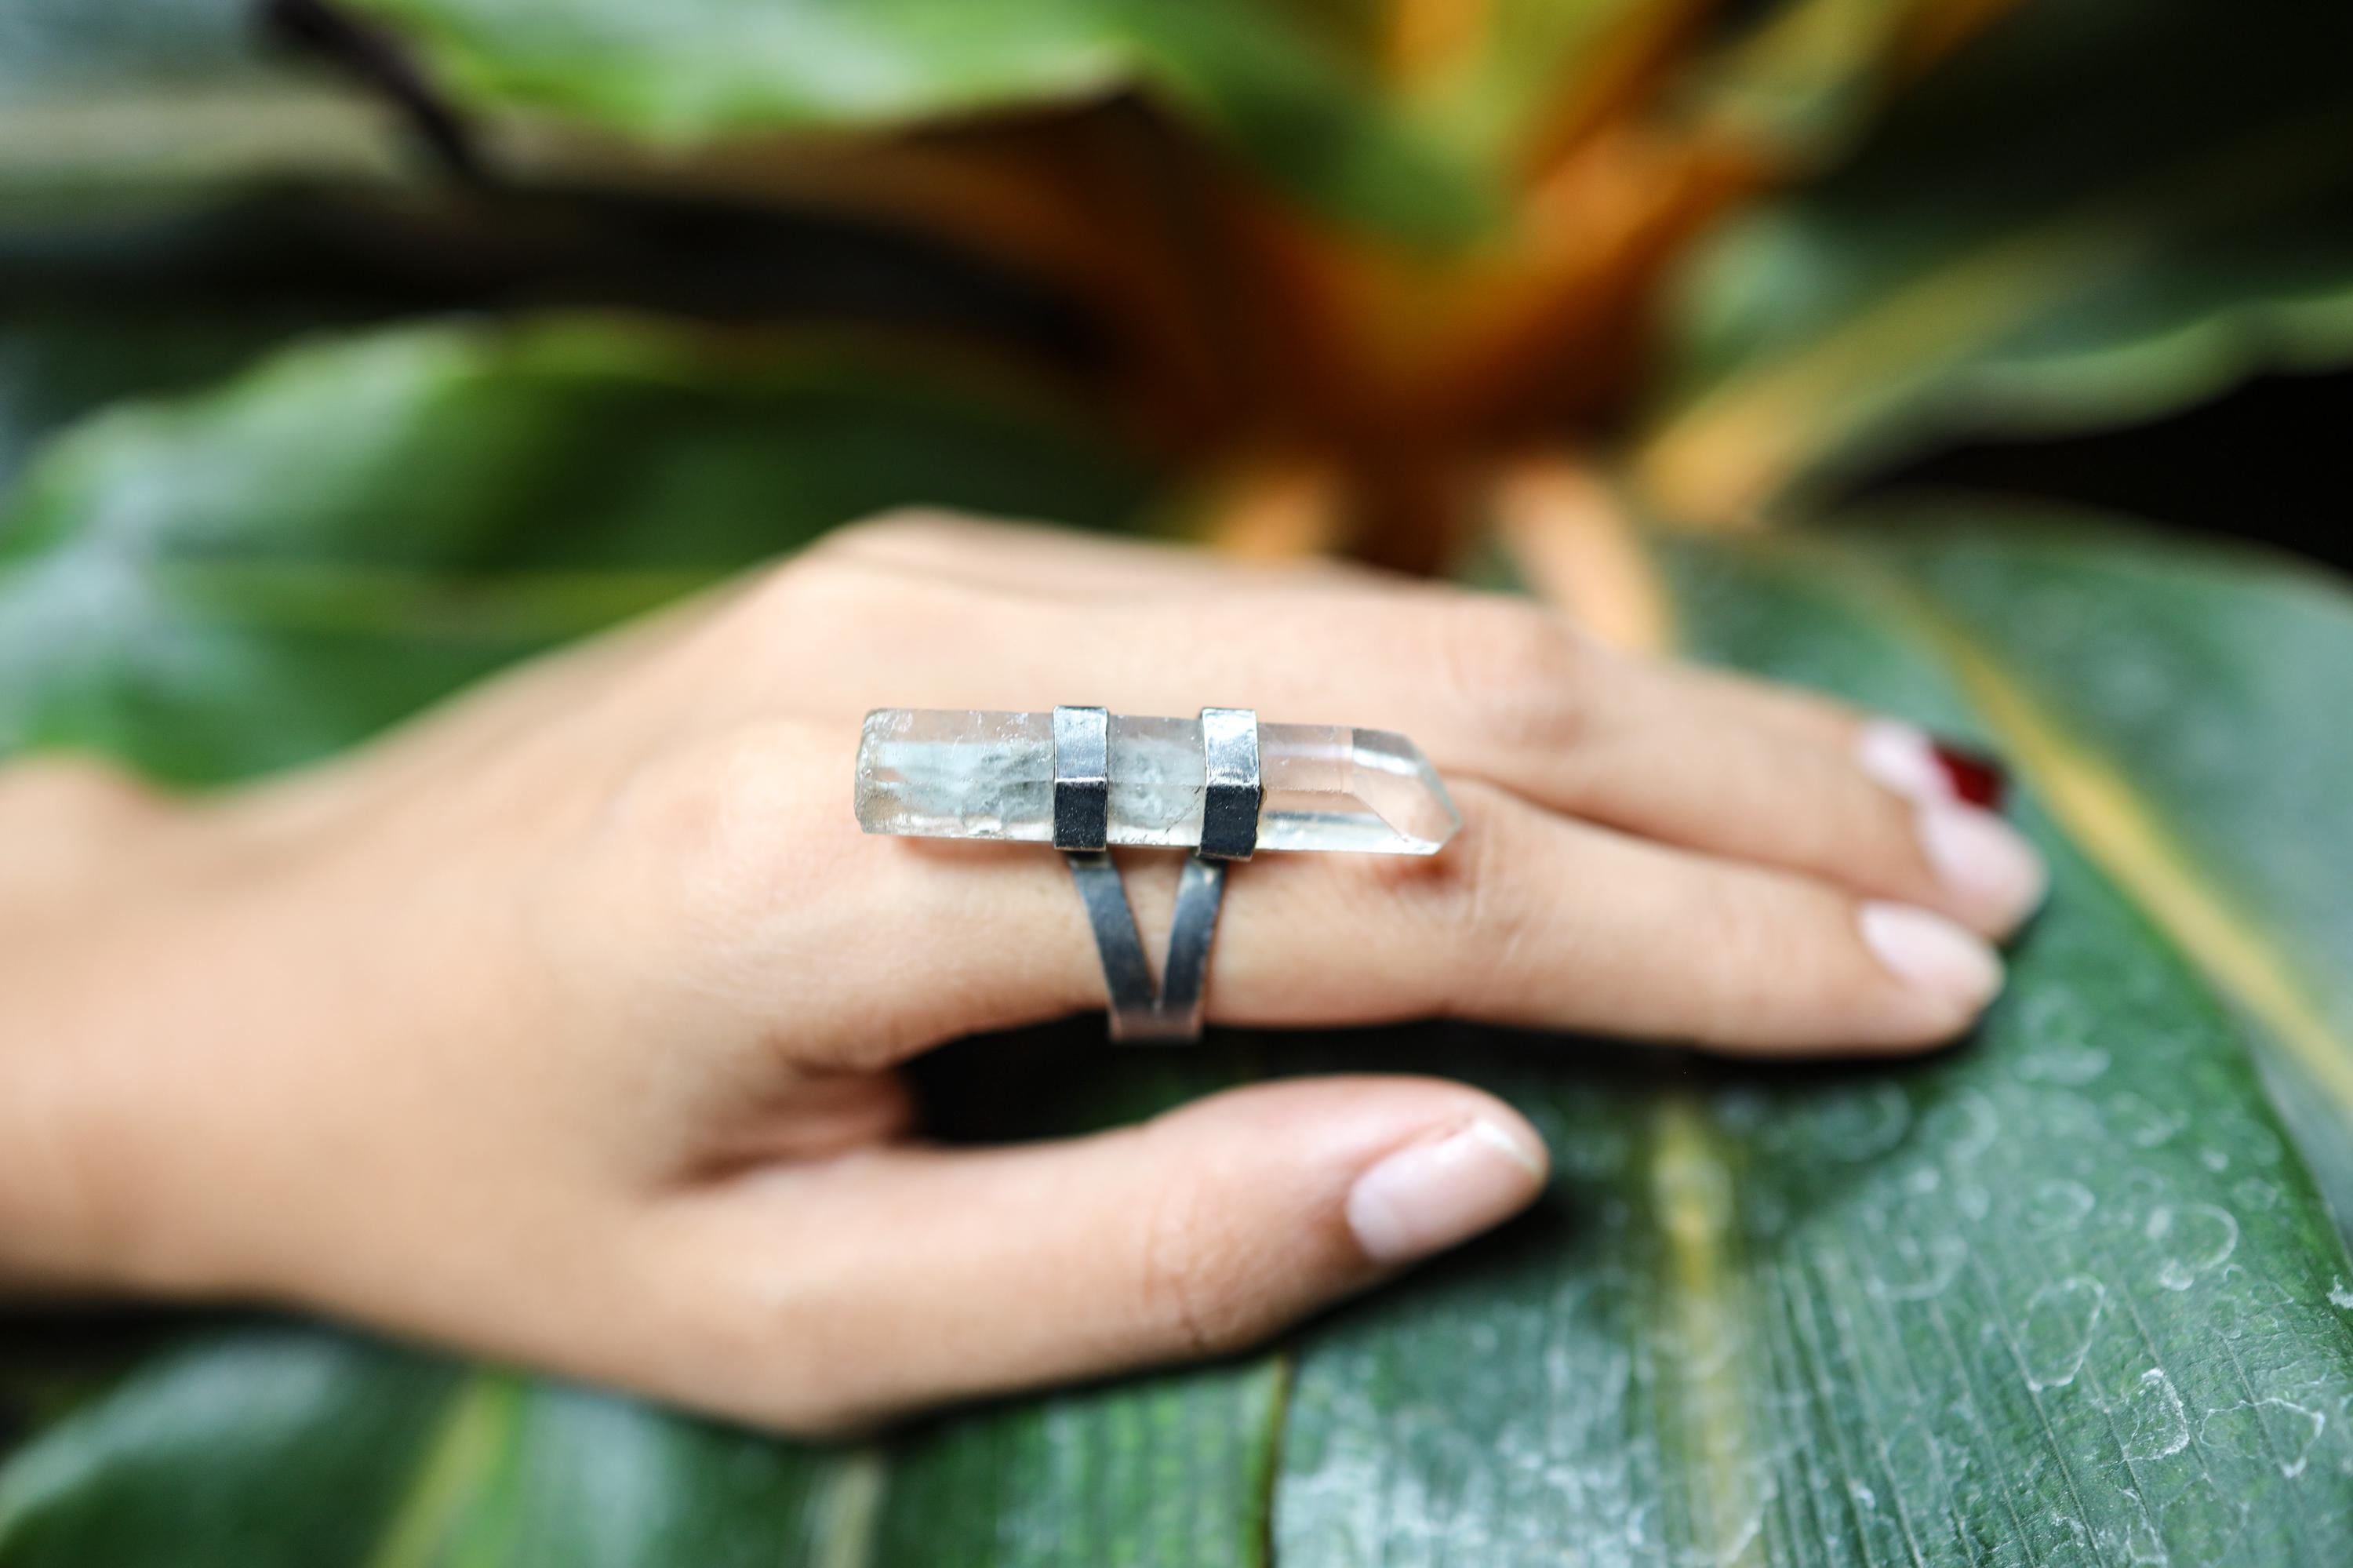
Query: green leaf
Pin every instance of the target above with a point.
(1281, 93)
(62, 364)
(2098, 211)
(2217, 835)
(1798, 79)
(224, 1422)
(344, 1452)
(117, 97)
(2065, 1294)
(1510, 72)
(242, 581)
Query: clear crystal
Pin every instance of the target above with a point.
(968, 773)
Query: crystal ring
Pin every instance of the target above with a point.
(1086, 781)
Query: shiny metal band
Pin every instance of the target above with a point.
(1140, 1011)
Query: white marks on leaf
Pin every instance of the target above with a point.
(2136, 1187)
(2057, 1334)
(2070, 1118)
(2339, 1296)
(2079, 1536)
(2299, 1430)
(1930, 1273)
(2143, 1546)
(2069, 1065)
(2064, 1025)
(1965, 1123)
(2145, 1126)
(2198, 1237)
(2254, 1192)
(2058, 1205)
(1864, 1124)
(2272, 1428)
(2156, 1426)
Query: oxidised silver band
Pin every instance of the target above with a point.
(1233, 793)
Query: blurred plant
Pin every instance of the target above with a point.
(1457, 285)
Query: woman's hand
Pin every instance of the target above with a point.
(562, 1024)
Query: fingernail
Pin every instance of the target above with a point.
(1428, 1196)
(1991, 869)
(1923, 948)
(1920, 766)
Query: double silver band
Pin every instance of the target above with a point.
(1234, 792)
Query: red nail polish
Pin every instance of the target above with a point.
(1974, 776)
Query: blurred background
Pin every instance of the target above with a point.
(1951, 354)
(1322, 270)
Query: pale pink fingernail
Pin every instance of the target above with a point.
(1991, 867)
(1902, 757)
(1923, 948)
(1993, 872)
(1919, 767)
(1428, 1196)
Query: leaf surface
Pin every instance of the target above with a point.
(2089, 646)
(2095, 212)
(122, 97)
(238, 582)
(1278, 91)
(2019, 1303)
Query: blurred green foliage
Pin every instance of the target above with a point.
(349, 353)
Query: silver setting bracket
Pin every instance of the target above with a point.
(1082, 778)
(1234, 792)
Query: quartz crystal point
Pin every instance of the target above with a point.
(968, 773)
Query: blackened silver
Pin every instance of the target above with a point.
(1082, 778)
(1233, 790)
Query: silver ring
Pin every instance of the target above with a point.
(1085, 780)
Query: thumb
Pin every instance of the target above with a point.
(909, 1277)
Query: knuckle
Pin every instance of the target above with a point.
(1487, 921)
(722, 814)
(1514, 668)
(814, 596)
(833, 598)
(779, 1344)
(68, 817)
(75, 789)
(903, 528)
